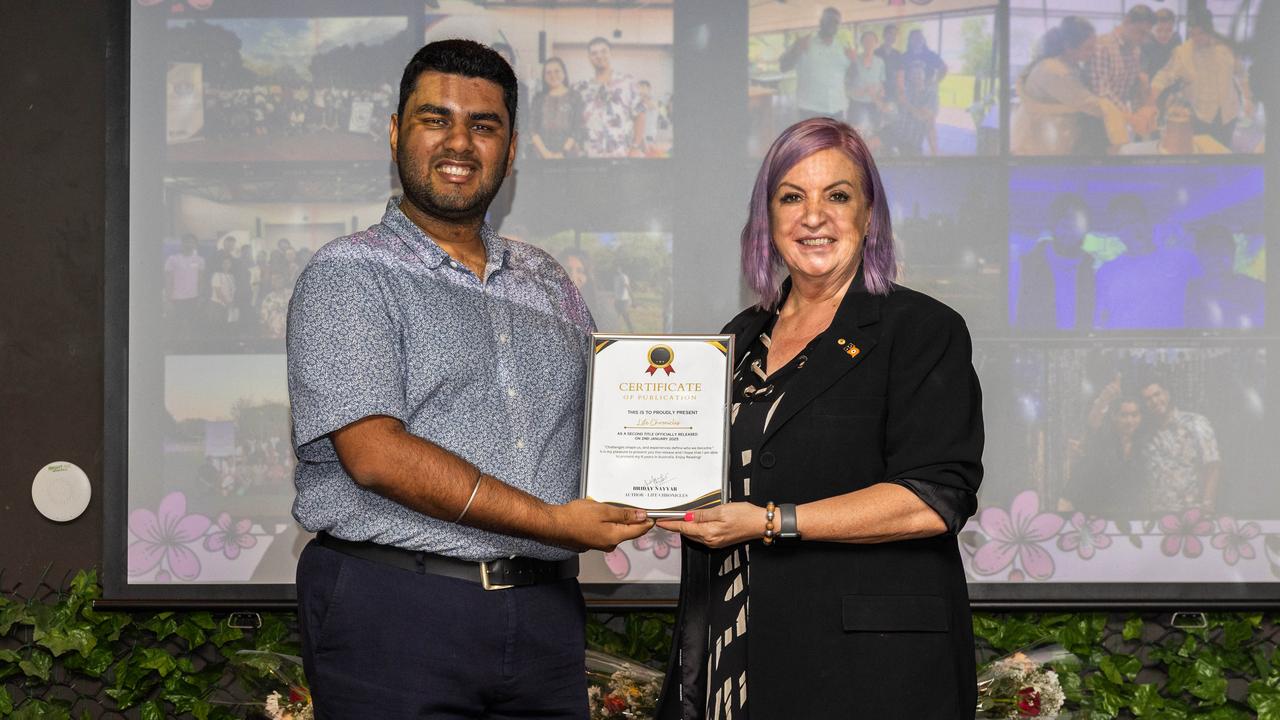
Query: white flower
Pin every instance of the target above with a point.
(273, 706)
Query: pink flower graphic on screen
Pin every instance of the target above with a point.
(163, 537)
(1087, 536)
(619, 564)
(1235, 542)
(660, 541)
(230, 538)
(1181, 533)
(1016, 535)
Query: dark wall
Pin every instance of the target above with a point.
(52, 184)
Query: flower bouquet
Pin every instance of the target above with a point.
(1022, 686)
(618, 688)
(294, 703)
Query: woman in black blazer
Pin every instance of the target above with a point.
(856, 452)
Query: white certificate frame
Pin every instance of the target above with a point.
(599, 342)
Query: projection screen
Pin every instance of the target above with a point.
(1102, 229)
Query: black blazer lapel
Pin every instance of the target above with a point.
(746, 334)
(844, 344)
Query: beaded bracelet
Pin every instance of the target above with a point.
(770, 511)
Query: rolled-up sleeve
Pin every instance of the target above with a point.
(345, 357)
(954, 506)
(934, 432)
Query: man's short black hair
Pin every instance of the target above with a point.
(1067, 205)
(597, 40)
(468, 59)
(1140, 15)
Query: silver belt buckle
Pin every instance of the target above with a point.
(484, 579)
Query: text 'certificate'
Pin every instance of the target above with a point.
(657, 421)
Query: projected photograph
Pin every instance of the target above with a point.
(625, 277)
(283, 89)
(1108, 77)
(916, 79)
(222, 511)
(595, 82)
(1134, 464)
(1137, 248)
(235, 249)
(948, 227)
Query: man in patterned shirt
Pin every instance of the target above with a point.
(613, 112)
(436, 374)
(1115, 71)
(1181, 456)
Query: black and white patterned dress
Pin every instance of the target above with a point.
(755, 397)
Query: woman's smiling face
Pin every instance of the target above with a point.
(818, 218)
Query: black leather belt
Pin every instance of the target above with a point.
(492, 575)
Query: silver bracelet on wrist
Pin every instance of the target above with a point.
(474, 490)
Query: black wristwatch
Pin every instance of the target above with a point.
(787, 522)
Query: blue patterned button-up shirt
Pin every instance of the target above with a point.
(493, 369)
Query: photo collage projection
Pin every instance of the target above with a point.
(1045, 179)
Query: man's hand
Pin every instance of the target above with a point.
(720, 526)
(1145, 119)
(589, 525)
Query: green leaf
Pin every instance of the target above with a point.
(1071, 684)
(1118, 668)
(97, 662)
(34, 709)
(65, 638)
(1133, 628)
(156, 659)
(132, 682)
(85, 585)
(6, 702)
(1109, 670)
(151, 710)
(272, 634)
(1224, 712)
(192, 633)
(14, 614)
(9, 656)
(1189, 646)
(1236, 632)
(1146, 701)
(1209, 684)
(163, 625)
(225, 634)
(37, 664)
(202, 620)
(1105, 695)
(200, 709)
(1264, 699)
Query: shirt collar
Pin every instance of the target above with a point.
(433, 256)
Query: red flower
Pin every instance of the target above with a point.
(296, 696)
(1029, 702)
(614, 704)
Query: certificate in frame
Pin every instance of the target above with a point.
(656, 426)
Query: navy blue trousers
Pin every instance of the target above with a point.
(382, 642)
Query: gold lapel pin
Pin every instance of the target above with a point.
(852, 350)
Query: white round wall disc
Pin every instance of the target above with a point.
(61, 491)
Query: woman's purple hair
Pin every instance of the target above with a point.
(760, 259)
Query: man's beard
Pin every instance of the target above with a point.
(415, 179)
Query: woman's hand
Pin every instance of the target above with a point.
(720, 526)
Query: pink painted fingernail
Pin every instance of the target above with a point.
(688, 517)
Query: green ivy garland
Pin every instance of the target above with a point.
(171, 663)
(60, 642)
